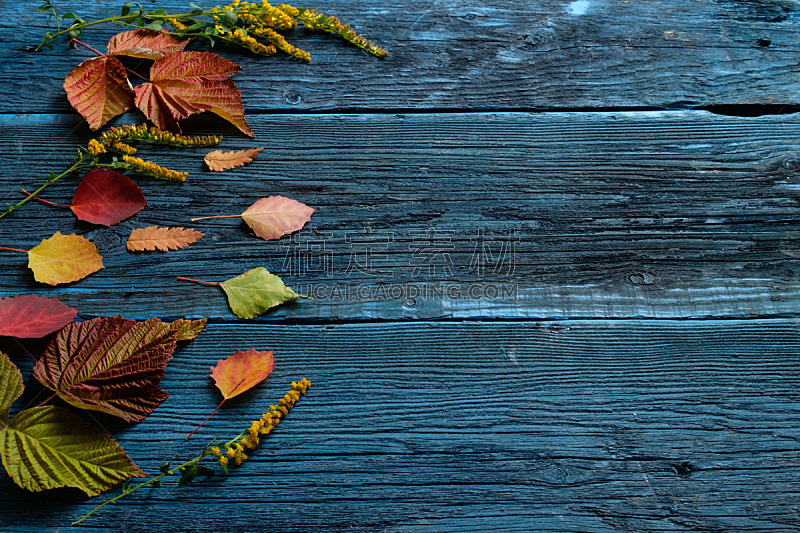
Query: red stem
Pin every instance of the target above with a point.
(45, 201)
(185, 279)
(99, 53)
(13, 249)
(47, 400)
(206, 420)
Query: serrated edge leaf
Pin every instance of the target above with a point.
(145, 44)
(48, 447)
(153, 238)
(188, 329)
(218, 160)
(99, 93)
(10, 386)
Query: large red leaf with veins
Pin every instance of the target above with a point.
(107, 197)
(145, 44)
(32, 317)
(111, 365)
(186, 83)
(99, 90)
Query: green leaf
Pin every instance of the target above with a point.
(225, 468)
(69, 15)
(164, 469)
(231, 18)
(204, 471)
(194, 27)
(158, 12)
(126, 8)
(189, 474)
(155, 26)
(126, 485)
(10, 386)
(256, 291)
(156, 483)
(48, 447)
(197, 11)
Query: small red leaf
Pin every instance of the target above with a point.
(99, 90)
(107, 197)
(32, 317)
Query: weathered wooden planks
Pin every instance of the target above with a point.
(519, 426)
(663, 215)
(457, 54)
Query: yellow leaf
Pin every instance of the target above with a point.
(63, 259)
(219, 161)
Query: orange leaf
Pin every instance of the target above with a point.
(99, 90)
(273, 217)
(145, 44)
(63, 259)
(186, 83)
(219, 161)
(242, 371)
(164, 239)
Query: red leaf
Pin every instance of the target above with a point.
(186, 83)
(99, 90)
(145, 44)
(32, 317)
(111, 365)
(242, 371)
(107, 197)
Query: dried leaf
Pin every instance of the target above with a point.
(107, 197)
(242, 371)
(111, 365)
(48, 447)
(188, 329)
(99, 90)
(186, 83)
(256, 291)
(10, 386)
(219, 161)
(145, 44)
(276, 216)
(63, 259)
(164, 239)
(32, 317)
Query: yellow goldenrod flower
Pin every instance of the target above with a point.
(151, 169)
(95, 148)
(122, 148)
(223, 460)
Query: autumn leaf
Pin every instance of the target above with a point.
(145, 44)
(62, 259)
(32, 317)
(238, 373)
(99, 90)
(254, 292)
(111, 365)
(48, 447)
(164, 239)
(107, 197)
(186, 83)
(273, 217)
(188, 329)
(219, 161)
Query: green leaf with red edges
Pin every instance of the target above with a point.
(107, 197)
(99, 90)
(145, 44)
(31, 317)
(111, 365)
(186, 83)
(10, 386)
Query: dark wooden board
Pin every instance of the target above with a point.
(617, 215)
(470, 54)
(534, 426)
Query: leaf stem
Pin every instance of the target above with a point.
(45, 201)
(217, 216)
(47, 399)
(139, 486)
(206, 420)
(13, 249)
(73, 168)
(198, 281)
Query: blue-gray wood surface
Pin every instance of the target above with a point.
(555, 260)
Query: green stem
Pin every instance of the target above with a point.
(73, 168)
(139, 486)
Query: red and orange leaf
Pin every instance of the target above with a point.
(31, 317)
(219, 161)
(111, 365)
(273, 217)
(107, 197)
(154, 238)
(99, 90)
(63, 259)
(186, 83)
(188, 329)
(145, 44)
(242, 371)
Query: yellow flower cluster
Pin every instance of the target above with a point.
(251, 44)
(262, 426)
(95, 148)
(317, 21)
(176, 24)
(131, 132)
(151, 169)
(278, 40)
(122, 148)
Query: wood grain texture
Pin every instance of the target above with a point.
(470, 54)
(509, 426)
(617, 215)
